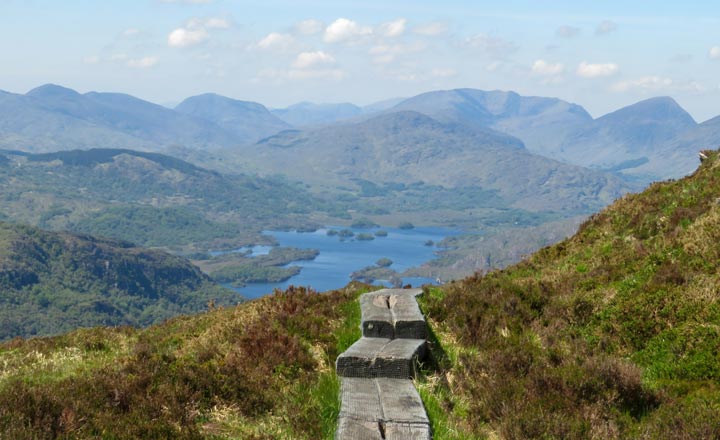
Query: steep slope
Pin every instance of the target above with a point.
(55, 282)
(408, 147)
(612, 333)
(307, 113)
(630, 137)
(635, 140)
(679, 154)
(146, 198)
(248, 121)
(541, 123)
(262, 369)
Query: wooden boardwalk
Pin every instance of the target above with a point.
(378, 398)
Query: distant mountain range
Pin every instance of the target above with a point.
(52, 118)
(649, 140)
(405, 148)
(636, 140)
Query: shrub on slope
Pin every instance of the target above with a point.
(261, 370)
(613, 333)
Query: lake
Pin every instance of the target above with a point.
(338, 258)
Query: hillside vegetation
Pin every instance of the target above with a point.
(260, 370)
(55, 282)
(613, 333)
(148, 198)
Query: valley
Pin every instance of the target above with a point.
(494, 169)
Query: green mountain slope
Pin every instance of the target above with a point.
(408, 147)
(613, 333)
(54, 282)
(146, 198)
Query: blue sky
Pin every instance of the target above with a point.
(600, 54)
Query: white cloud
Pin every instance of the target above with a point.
(276, 41)
(588, 70)
(182, 37)
(544, 68)
(494, 46)
(646, 82)
(567, 32)
(343, 29)
(208, 23)
(309, 27)
(142, 63)
(330, 74)
(216, 23)
(306, 60)
(93, 59)
(494, 66)
(386, 53)
(393, 28)
(714, 53)
(443, 73)
(605, 27)
(131, 32)
(195, 31)
(655, 83)
(299, 74)
(431, 29)
(384, 59)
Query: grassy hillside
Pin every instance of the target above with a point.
(55, 282)
(260, 370)
(613, 333)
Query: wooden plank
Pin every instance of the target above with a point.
(392, 313)
(353, 429)
(407, 431)
(379, 357)
(408, 320)
(360, 399)
(376, 318)
(400, 401)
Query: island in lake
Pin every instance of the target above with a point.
(240, 268)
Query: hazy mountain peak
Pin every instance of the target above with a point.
(218, 102)
(661, 108)
(248, 120)
(307, 113)
(52, 91)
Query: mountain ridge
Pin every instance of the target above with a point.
(56, 281)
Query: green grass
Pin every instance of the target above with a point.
(612, 333)
(263, 369)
